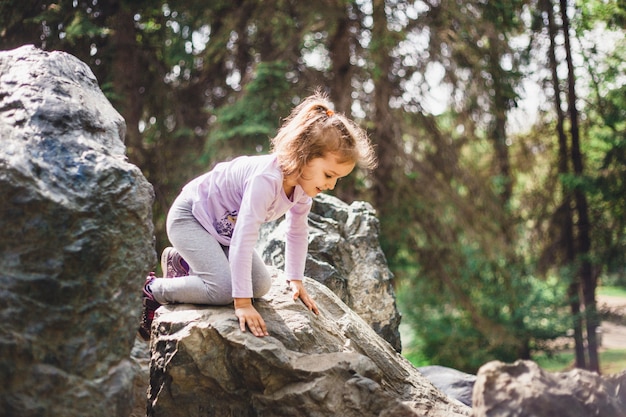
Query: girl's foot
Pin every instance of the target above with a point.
(149, 307)
(173, 264)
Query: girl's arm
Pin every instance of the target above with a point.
(297, 239)
(256, 200)
(296, 247)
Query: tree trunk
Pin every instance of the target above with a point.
(384, 133)
(584, 241)
(498, 128)
(339, 51)
(127, 73)
(566, 241)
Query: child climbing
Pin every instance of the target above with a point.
(214, 222)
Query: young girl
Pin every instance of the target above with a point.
(214, 223)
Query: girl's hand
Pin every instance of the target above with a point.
(247, 314)
(300, 292)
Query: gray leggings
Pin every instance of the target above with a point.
(209, 281)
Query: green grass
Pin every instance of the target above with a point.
(611, 291)
(611, 361)
(555, 362)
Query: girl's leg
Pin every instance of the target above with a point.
(196, 289)
(261, 278)
(209, 272)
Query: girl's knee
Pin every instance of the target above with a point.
(262, 286)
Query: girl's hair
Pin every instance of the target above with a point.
(313, 129)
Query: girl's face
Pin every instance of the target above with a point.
(322, 174)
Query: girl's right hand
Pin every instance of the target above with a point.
(247, 315)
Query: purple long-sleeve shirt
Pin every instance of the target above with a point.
(235, 198)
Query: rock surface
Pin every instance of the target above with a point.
(333, 364)
(76, 235)
(345, 255)
(522, 389)
(452, 382)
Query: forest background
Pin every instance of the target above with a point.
(500, 129)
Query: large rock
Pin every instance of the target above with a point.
(76, 235)
(523, 389)
(329, 365)
(452, 382)
(345, 255)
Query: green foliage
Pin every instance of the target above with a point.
(413, 347)
(491, 317)
(246, 125)
(80, 27)
(605, 183)
(612, 12)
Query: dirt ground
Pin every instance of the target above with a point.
(613, 335)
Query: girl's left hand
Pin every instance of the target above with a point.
(300, 292)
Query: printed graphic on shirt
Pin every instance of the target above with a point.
(226, 224)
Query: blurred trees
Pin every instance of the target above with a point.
(483, 223)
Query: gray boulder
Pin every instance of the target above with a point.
(345, 255)
(523, 389)
(77, 233)
(329, 365)
(452, 382)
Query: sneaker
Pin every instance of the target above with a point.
(149, 307)
(173, 264)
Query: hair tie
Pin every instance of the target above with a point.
(329, 112)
